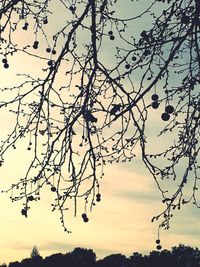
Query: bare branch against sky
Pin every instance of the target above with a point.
(96, 73)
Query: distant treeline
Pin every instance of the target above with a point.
(181, 256)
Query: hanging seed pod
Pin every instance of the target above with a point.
(154, 97)
(159, 247)
(155, 105)
(169, 109)
(165, 116)
(30, 198)
(85, 218)
(53, 189)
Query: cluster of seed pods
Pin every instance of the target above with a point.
(169, 109)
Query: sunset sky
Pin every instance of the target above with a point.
(120, 223)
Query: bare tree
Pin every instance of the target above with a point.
(99, 114)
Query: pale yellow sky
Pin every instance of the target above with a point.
(120, 223)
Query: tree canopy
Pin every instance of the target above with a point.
(181, 256)
(102, 80)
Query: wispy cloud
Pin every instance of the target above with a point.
(139, 197)
(57, 246)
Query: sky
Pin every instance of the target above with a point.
(120, 223)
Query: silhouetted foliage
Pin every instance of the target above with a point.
(181, 256)
(34, 260)
(136, 260)
(83, 111)
(117, 260)
(55, 260)
(83, 256)
(14, 264)
(186, 256)
(26, 262)
(34, 252)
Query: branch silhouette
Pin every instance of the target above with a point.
(100, 114)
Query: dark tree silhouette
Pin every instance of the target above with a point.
(32, 262)
(14, 264)
(137, 260)
(186, 256)
(181, 256)
(82, 257)
(35, 252)
(84, 111)
(26, 262)
(55, 260)
(117, 260)
(79, 257)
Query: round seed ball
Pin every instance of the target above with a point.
(169, 109)
(154, 97)
(6, 65)
(165, 116)
(53, 189)
(155, 104)
(159, 247)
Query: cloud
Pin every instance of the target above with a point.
(141, 197)
(20, 246)
(62, 246)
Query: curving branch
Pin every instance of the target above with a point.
(100, 114)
